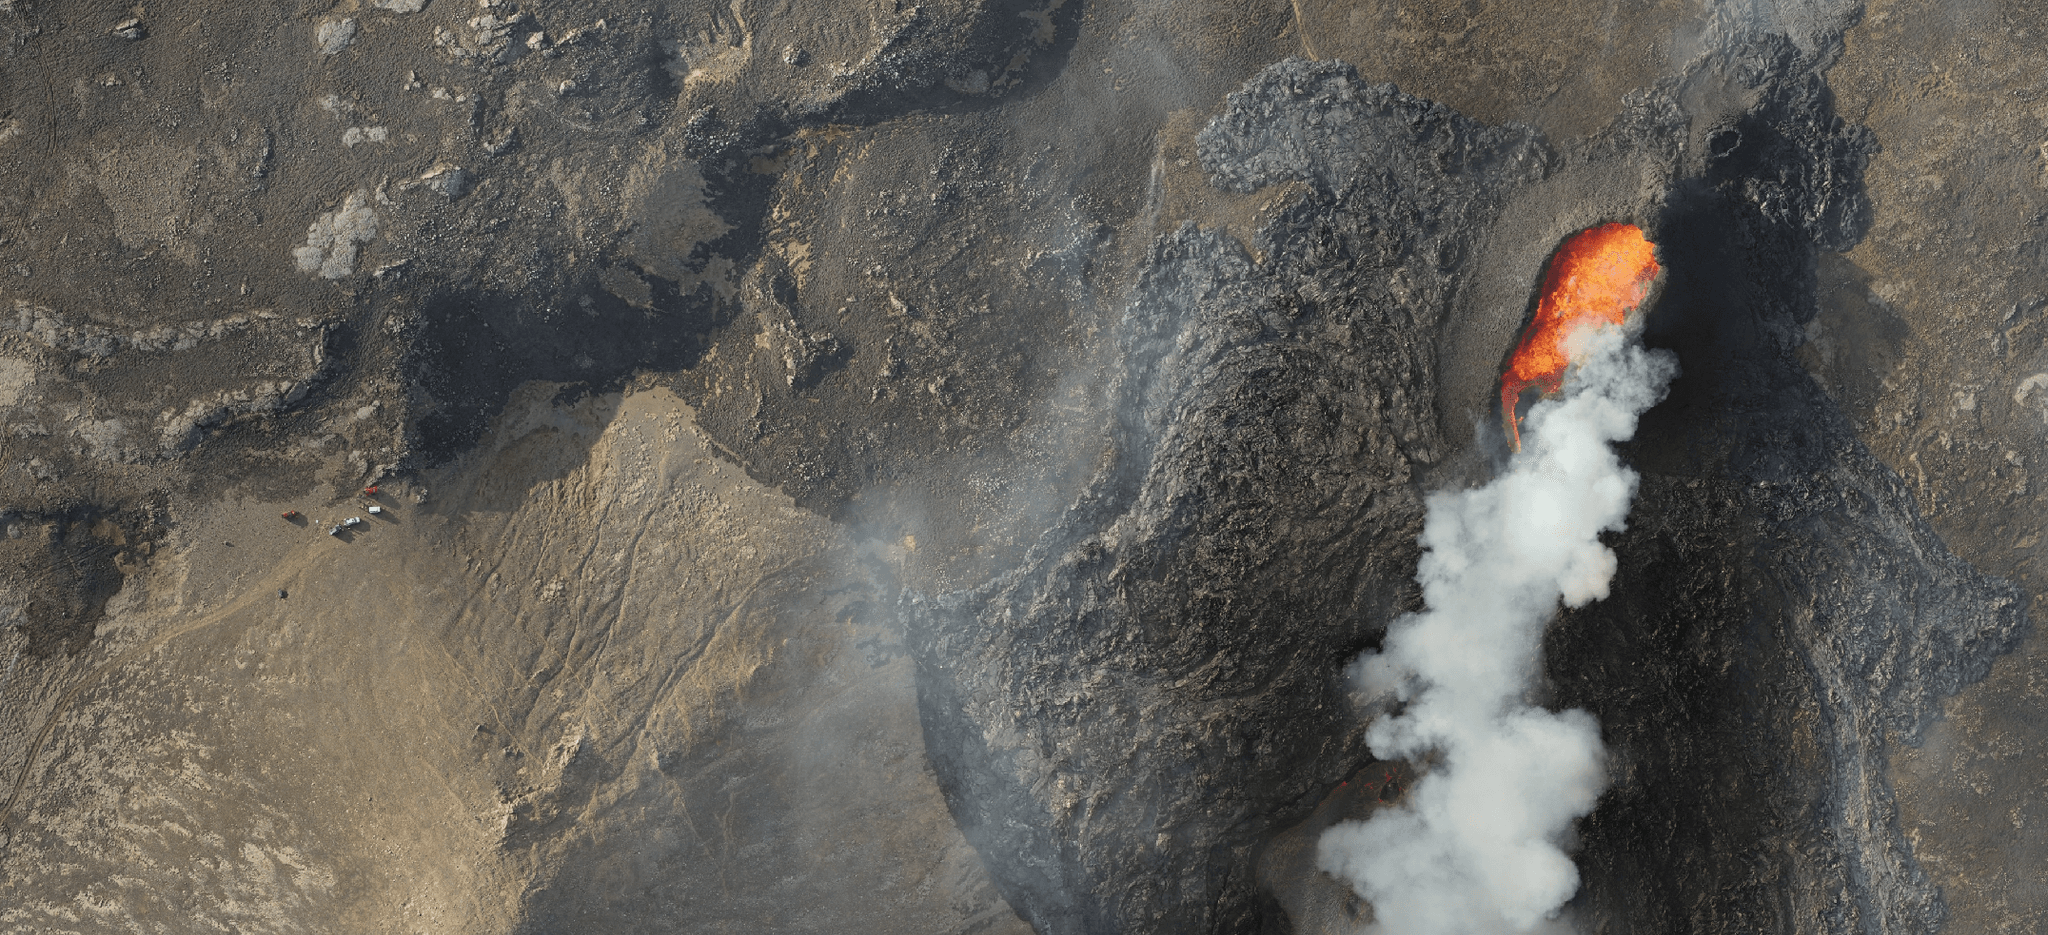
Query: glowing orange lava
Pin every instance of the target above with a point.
(1597, 277)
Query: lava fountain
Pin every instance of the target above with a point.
(1478, 845)
(1597, 277)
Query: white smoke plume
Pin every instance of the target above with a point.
(1475, 848)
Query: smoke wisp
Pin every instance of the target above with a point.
(1476, 846)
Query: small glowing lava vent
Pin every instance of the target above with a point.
(1598, 277)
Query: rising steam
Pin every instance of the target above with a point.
(1475, 848)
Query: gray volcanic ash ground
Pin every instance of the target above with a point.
(896, 467)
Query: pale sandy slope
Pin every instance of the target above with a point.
(590, 678)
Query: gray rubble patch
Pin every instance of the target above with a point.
(334, 35)
(450, 182)
(16, 376)
(51, 330)
(332, 241)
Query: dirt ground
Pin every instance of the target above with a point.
(464, 714)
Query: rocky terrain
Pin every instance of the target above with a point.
(925, 467)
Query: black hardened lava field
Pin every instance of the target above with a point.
(1059, 466)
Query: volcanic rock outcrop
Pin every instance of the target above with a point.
(1217, 551)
